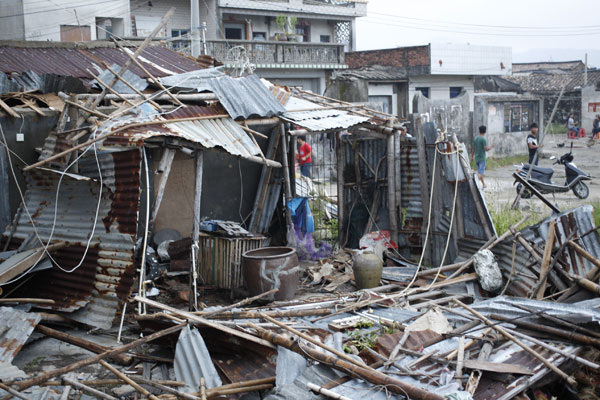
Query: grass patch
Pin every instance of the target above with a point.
(504, 217)
(494, 163)
(557, 129)
(596, 205)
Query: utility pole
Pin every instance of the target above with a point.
(195, 33)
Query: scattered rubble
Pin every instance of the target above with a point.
(107, 295)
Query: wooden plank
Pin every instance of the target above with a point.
(165, 167)
(497, 367)
(546, 259)
(424, 183)
(535, 192)
(9, 110)
(21, 262)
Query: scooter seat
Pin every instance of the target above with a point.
(539, 170)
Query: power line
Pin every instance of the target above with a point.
(435, 29)
(553, 28)
(71, 5)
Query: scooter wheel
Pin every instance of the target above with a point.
(526, 194)
(581, 190)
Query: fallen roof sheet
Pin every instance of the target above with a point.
(94, 291)
(17, 325)
(222, 132)
(75, 60)
(243, 97)
(318, 118)
(192, 361)
(107, 76)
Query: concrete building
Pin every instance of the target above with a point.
(438, 71)
(255, 31)
(590, 105)
(63, 20)
(507, 117)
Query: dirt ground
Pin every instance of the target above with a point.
(501, 192)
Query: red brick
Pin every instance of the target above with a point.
(415, 56)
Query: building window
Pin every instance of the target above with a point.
(179, 32)
(455, 91)
(259, 35)
(384, 103)
(424, 91)
(325, 39)
(235, 31)
(519, 116)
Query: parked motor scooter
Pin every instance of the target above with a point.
(541, 178)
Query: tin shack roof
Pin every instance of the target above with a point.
(73, 59)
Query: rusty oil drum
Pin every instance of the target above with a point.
(269, 268)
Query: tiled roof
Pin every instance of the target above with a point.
(553, 82)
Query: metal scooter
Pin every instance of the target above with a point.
(541, 178)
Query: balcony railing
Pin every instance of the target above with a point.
(269, 52)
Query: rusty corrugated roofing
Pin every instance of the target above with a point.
(17, 325)
(94, 291)
(73, 61)
(221, 132)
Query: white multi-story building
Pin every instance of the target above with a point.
(292, 42)
(63, 20)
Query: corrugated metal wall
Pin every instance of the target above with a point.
(92, 292)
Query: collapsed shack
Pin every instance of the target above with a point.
(130, 192)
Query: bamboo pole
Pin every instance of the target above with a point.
(518, 342)
(128, 380)
(22, 385)
(238, 304)
(211, 324)
(164, 388)
(26, 300)
(133, 58)
(97, 393)
(106, 382)
(13, 392)
(145, 97)
(110, 89)
(202, 389)
(375, 377)
(326, 392)
(83, 343)
(244, 389)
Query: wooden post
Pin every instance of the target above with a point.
(391, 188)
(165, 169)
(420, 135)
(546, 259)
(265, 179)
(98, 394)
(339, 144)
(290, 234)
(128, 380)
(398, 176)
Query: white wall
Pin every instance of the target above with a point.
(42, 19)
(11, 28)
(148, 17)
(439, 87)
(320, 27)
(589, 94)
(385, 89)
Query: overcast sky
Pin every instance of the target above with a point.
(537, 30)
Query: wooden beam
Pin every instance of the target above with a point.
(546, 259)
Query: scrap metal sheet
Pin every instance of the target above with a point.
(16, 327)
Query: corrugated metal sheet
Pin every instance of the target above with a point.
(106, 76)
(45, 83)
(17, 325)
(222, 132)
(319, 118)
(192, 79)
(94, 291)
(243, 97)
(74, 60)
(192, 361)
(526, 275)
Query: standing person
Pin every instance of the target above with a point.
(532, 144)
(596, 127)
(571, 125)
(480, 147)
(305, 156)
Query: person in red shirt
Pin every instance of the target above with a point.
(305, 155)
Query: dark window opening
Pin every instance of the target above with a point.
(233, 33)
(424, 91)
(519, 116)
(455, 91)
(325, 39)
(259, 35)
